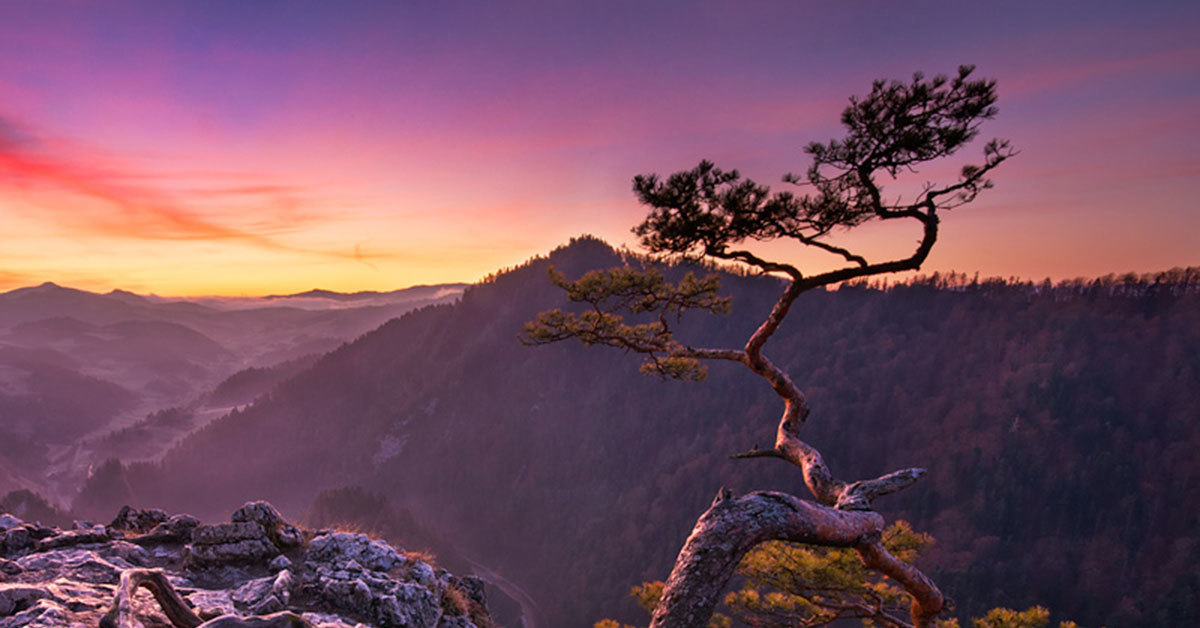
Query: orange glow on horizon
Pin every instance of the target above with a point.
(373, 149)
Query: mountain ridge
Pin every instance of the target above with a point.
(572, 452)
(51, 288)
(79, 364)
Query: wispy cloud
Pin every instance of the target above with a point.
(1034, 81)
(10, 278)
(101, 197)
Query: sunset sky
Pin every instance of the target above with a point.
(245, 148)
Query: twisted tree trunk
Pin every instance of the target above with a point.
(843, 518)
(733, 526)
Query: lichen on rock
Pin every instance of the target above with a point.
(257, 570)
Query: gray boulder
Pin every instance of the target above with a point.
(409, 605)
(86, 577)
(252, 594)
(280, 531)
(79, 565)
(473, 587)
(175, 529)
(339, 547)
(138, 521)
(14, 596)
(229, 543)
(80, 536)
(17, 541)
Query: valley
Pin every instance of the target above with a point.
(85, 377)
(575, 477)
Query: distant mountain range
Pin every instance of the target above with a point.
(415, 292)
(76, 365)
(326, 299)
(1058, 423)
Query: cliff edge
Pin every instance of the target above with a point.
(153, 570)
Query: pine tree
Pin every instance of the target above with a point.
(707, 215)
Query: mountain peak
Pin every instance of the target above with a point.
(44, 288)
(585, 242)
(49, 287)
(584, 252)
(125, 295)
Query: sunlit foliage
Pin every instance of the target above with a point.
(790, 585)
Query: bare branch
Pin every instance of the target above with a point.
(755, 452)
(752, 259)
(860, 494)
(973, 179)
(837, 250)
(928, 600)
(913, 262)
(712, 354)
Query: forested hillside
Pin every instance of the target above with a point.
(85, 375)
(1059, 425)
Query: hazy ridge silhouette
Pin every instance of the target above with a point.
(1057, 422)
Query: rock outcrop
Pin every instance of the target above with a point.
(256, 570)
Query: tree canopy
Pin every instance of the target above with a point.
(707, 213)
(898, 127)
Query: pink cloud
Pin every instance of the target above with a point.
(1049, 77)
(103, 197)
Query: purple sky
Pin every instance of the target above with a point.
(260, 147)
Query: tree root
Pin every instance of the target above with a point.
(122, 615)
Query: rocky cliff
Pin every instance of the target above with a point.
(147, 568)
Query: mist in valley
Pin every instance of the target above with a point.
(440, 430)
(87, 377)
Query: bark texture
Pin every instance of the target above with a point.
(733, 526)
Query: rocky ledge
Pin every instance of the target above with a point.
(149, 569)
